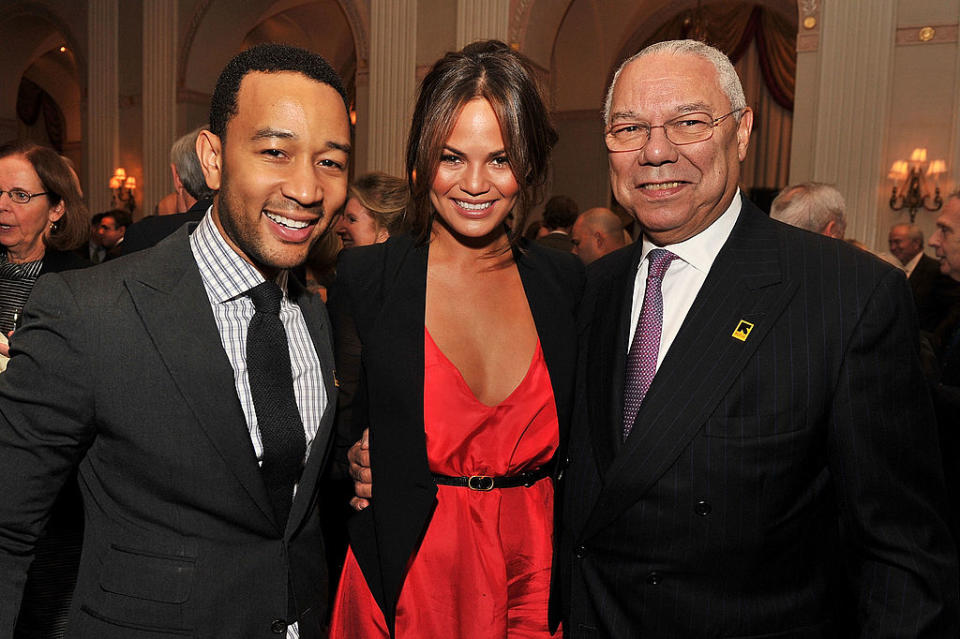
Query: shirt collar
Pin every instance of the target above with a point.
(912, 264)
(225, 274)
(701, 250)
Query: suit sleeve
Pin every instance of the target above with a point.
(46, 425)
(883, 451)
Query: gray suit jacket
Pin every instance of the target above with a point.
(120, 370)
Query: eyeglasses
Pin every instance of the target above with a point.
(20, 196)
(683, 129)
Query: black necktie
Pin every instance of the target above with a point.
(271, 385)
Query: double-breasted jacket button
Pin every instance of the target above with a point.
(703, 508)
(654, 578)
(278, 627)
(579, 552)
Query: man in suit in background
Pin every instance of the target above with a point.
(751, 403)
(192, 385)
(111, 230)
(193, 197)
(559, 214)
(596, 233)
(933, 292)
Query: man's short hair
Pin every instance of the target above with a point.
(726, 75)
(96, 218)
(811, 206)
(121, 217)
(560, 212)
(268, 58)
(183, 157)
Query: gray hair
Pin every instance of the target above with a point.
(183, 156)
(811, 206)
(726, 75)
(914, 232)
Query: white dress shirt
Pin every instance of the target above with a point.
(227, 277)
(686, 275)
(912, 264)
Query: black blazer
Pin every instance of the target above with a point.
(757, 468)
(380, 296)
(119, 370)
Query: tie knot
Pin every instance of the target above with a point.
(659, 260)
(266, 297)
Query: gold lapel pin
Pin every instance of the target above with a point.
(742, 331)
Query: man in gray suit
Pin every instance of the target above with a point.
(192, 387)
(752, 419)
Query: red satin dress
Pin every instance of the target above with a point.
(483, 569)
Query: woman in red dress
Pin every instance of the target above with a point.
(465, 375)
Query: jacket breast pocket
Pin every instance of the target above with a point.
(753, 426)
(142, 574)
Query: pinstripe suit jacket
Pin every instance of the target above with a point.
(759, 469)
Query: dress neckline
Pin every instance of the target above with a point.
(463, 382)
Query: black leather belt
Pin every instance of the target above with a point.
(487, 482)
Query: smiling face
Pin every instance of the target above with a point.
(281, 170)
(357, 227)
(474, 189)
(946, 239)
(22, 225)
(676, 191)
(902, 245)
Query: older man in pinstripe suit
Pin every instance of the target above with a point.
(755, 453)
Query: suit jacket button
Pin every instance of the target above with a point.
(702, 508)
(278, 627)
(580, 551)
(654, 578)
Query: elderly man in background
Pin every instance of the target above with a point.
(192, 194)
(813, 206)
(752, 407)
(596, 233)
(945, 373)
(933, 291)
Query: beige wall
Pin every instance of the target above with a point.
(911, 100)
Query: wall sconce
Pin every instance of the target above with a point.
(913, 193)
(124, 187)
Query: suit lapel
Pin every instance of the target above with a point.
(175, 310)
(555, 329)
(315, 316)
(705, 358)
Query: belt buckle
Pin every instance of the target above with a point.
(481, 483)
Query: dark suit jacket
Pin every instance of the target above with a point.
(934, 293)
(754, 466)
(380, 295)
(150, 230)
(120, 370)
(557, 240)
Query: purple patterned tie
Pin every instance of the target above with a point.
(642, 358)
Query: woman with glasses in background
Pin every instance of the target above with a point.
(42, 217)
